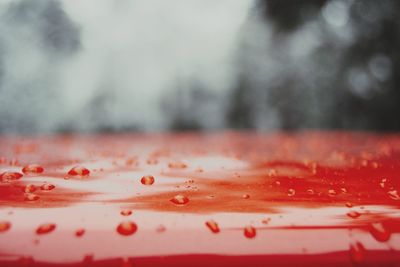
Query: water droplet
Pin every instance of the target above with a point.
(213, 226)
(4, 226)
(31, 197)
(177, 165)
(152, 161)
(382, 184)
(393, 194)
(310, 191)
(179, 200)
(291, 192)
(10, 176)
(266, 220)
(147, 180)
(32, 169)
(250, 231)
(313, 167)
(353, 214)
(246, 196)
(131, 161)
(343, 190)
(79, 171)
(161, 228)
(30, 188)
(126, 212)
(127, 228)
(47, 187)
(332, 193)
(45, 228)
(80, 232)
(277, 182)
(271, 172)
(364, 163)
(349, 205)
(357, 252)
(379, 232)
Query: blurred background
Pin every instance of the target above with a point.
(155, 65)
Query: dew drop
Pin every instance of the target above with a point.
(266, 220)
(126, 212)
(271, 172)
(30, 188)
(31, 197)
(313, 167)
(291, 192)
(10, 176)
(379, 232)
(213, 226)
(147, 180)
(177, 165)
(152, 161)
(179, 200)
(127, 228)
(357, 252)
(131, 161)
(310, 191)
(32, 169)
(79, 171)
(47, 187)
(161, 228)
(332, 192)
(353, 214)
(80, 232)
(246, 196)
(45, 228)
(349, 204)
(382, 184)
(249, 231)
(393, 194)
(4, 226)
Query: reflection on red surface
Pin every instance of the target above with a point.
(227, 199)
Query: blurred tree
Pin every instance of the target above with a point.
(324, 64)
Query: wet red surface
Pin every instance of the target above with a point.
(224, 199)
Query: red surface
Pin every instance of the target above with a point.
(227, 199)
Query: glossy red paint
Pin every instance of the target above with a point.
(280, 199)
